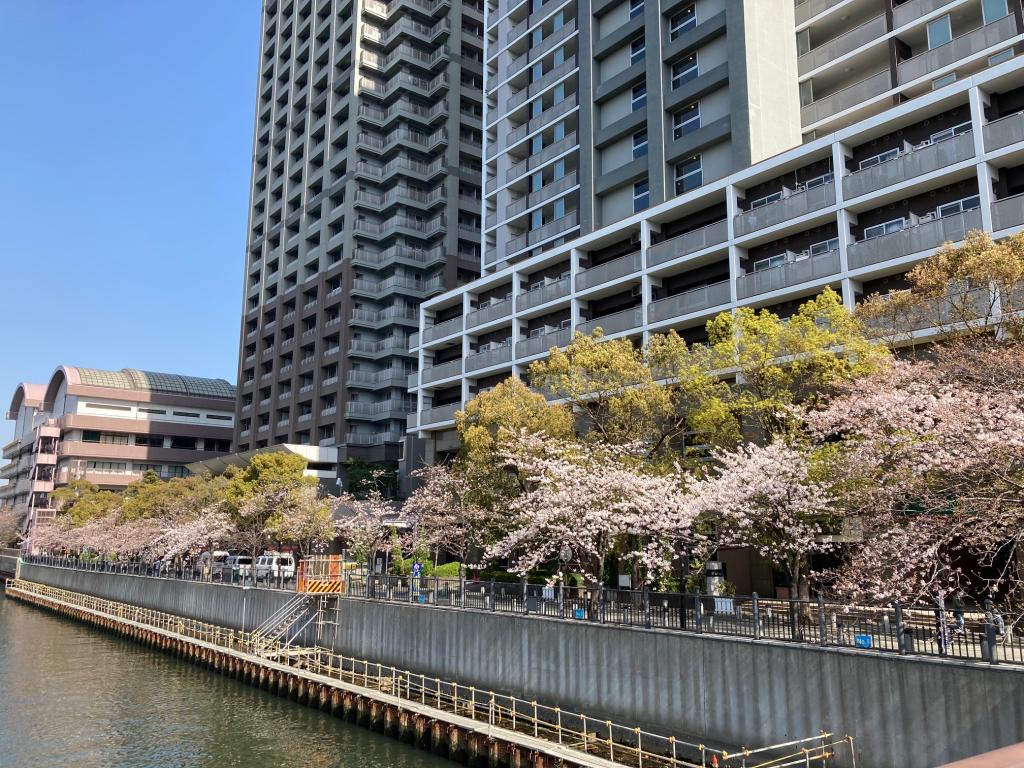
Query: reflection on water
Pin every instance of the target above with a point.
(74, 696)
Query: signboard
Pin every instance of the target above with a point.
(862, 641)
(417, 569)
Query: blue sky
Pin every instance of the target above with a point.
(125, 150)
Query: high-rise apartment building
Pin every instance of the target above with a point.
(755, 174)
(366, 199)
(110, 428)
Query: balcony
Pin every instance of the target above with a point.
(551, 77)
(844, 99)
(549, 152)
(1003, 132)
(535, 345)
(542, 195)
(612, 270)
(917, 162)
(828, 52)
(442, 329)
(689, 242)
(688, 302)
(546, 232)
(923, 236)
(626, 320)
(543, 294)
(808, 9)
(795, 204)
(432, 373)
(538, 51)
(373, 438)
(487, 358)
(793, 272)
(494, 311)
(1008, 212)
(915, 9)
(439, 415)
(957, 49)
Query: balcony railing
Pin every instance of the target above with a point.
(536, 52)
(494, 311)
(542, 195)
(917, 162)
(432, 373)
(857, 37)
(844, 99)
(542, 343)
(536, 161)
(808, 9)
(543, 294)
(796, 204)
(439, 414)
(799, 270)
(552, 76)
(612, 270)
(1008, 212)
(442, 329)
(549, 230)
(1004, 131)
(687, 302)
(923, 236)
(617, 322)
(689, 242)
(915, 9)
(956, 49)
(489, 357)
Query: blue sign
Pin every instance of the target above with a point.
(417, 569)
(579, 613)
(423, 598)
(862, 641)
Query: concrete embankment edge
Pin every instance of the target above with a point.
(912, 712)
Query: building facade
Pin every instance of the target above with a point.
(909, 134)
(365, 200)
(109, 427)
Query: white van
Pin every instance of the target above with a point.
(220, 559)
(239, 566)
(275, 565)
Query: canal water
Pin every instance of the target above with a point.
(71, 695)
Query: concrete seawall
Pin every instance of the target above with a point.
(906, 711)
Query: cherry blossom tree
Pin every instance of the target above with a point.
(766, 498)
(303, 518)
(444, 511)
(580, 503)
(365, 523)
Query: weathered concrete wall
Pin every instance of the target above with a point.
(902, 711)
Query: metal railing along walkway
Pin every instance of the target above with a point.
(591, 736)
(970, 635)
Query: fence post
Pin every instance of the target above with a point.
(756, 612)
(603, 604)
(822, 637)
(561, 610)
(698, 612)
(901, 640)
(647, 608)
(494, 602)
(943, 642)
(989, 643)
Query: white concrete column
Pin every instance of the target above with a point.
(646, 292)
(732, 208)
(979, 100)
(575, 256)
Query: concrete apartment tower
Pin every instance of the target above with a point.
(365, 200)
(652, 164)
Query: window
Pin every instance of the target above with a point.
(150, 441)
(107, 466)
(177, 471)
(186, 443)
(887, 228)
(889, 154)
(762, 201)
(818, 181)
(684, 71)
(186, 414)
(686, 120)
(993, 10)
(641, 196)
(639, 144)
(153, 411)
(940, 32)
(108, 438)
(638, 98)
(218, 417)
(689, 175)
(768, 263)
(958, 206)
(999, 58)
(942, 82)
(825, 246)
(683, 21)
(948, 133)
(636, 7)
(637, 50)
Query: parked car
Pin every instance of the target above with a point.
(275, 565)
(219, 566)
(239, 566)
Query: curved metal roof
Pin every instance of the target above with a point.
(152, 381)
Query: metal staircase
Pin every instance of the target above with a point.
(277, 626)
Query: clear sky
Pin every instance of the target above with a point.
(125, 150)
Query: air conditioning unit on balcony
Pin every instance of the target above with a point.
(567, 323)
(536, 333)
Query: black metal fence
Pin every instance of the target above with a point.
(969, 635)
